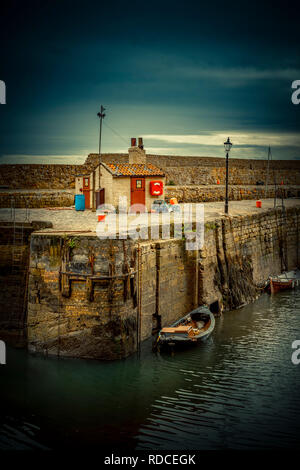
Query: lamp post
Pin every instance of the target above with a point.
(101, 116)
(227, 146)
(96, 200)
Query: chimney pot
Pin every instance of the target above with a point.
(133, 142)
(141, 146)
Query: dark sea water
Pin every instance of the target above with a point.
(239, 390)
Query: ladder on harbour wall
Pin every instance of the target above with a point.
(19, 272)
(284, 254)
(25, 206)
(18, 240)
(279, 198)
(17, 250)
(279, 195)
(282, 233)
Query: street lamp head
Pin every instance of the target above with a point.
(101, 115)
(227, 145)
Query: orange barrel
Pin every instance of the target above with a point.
(258, 203)
(173, 201)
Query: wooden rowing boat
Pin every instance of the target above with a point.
(195, 326)
(287, 280)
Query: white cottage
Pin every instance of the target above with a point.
(139, 181)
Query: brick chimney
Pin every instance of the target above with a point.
(137, 154)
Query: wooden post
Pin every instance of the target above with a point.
(93, 192)
(196, 294)
(139, 306)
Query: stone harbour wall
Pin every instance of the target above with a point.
(180, 170)
(240, 253)
(186, 193)
(213, 193)
(239, 176)
(14, 262)
(40, 176)
(238, 256)
(75, 314)
(167, 283)
(35, 200)
(70, 313)
(184, 170)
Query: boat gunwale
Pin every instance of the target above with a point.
(164, 337)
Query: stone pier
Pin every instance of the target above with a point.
(99, 299)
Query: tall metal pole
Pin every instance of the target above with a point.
(227, 146)
(101, 115)
(226, 194)
(267, 175)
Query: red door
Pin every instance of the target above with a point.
(138, 193)
(100, 197)
(86, 191)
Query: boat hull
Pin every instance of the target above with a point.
(285, 281)
(173, 338)
(276, 286)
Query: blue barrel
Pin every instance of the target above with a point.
(79, 202)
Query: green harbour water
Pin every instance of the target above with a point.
(238, 390)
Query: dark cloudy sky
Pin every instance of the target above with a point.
(184, 75)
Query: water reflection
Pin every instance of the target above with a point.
(237, 390)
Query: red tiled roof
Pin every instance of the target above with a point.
(133, 169)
